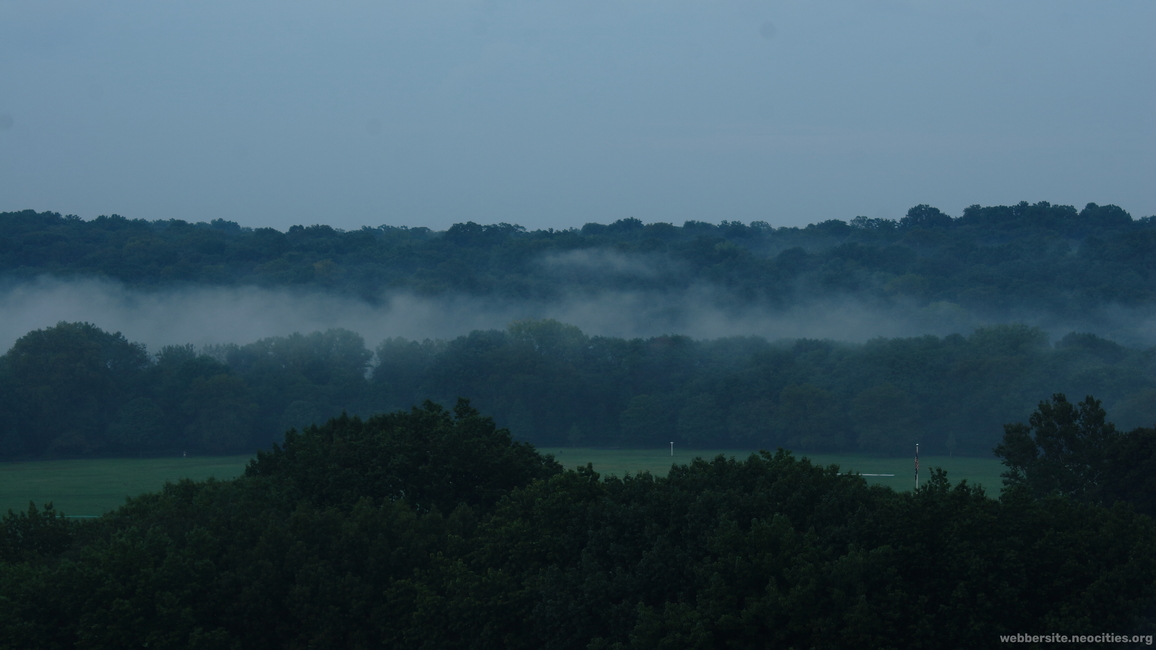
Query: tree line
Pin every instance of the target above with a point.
(433, 528)
(1037, 258)
(75, 390)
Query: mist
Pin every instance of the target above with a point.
(215, 315)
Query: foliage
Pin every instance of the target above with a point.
(769, 551)
(29, 536)
(431, 527)
(424, 457)
(1072, 450)
(74, 390)
(1049, 258)
(551, 384)
(67, 383)
(1131, 471)
(1063, 451)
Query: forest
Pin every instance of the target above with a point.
(433, 528)
(990, 265)
(398, 498)
(74, 390)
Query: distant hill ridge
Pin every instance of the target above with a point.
(1047, 258)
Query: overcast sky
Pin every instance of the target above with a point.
(554, 114)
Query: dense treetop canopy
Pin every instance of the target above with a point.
(424, 457)
(551, 384)
(1053, 257)
(767, 551)
(1072, 450)
(371, 522)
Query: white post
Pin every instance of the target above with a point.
(672, 449)
(917, 466)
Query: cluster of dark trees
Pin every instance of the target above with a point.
(1042, 258)
(557, 387)
(431, 529)
(1071, 450)
(74, 389)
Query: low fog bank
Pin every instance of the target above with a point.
(213, 315)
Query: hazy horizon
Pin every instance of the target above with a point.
(554, 115)
(285, 229)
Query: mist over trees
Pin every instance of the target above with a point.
(371, 521)
(75, 390)
(987, 265)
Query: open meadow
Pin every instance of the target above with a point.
(981, 471)
(90, 487)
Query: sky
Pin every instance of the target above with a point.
(555, 114)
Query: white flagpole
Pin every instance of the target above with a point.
(917, 466)
(672, 449)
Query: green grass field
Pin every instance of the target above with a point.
(981, 471)
(93, 487)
